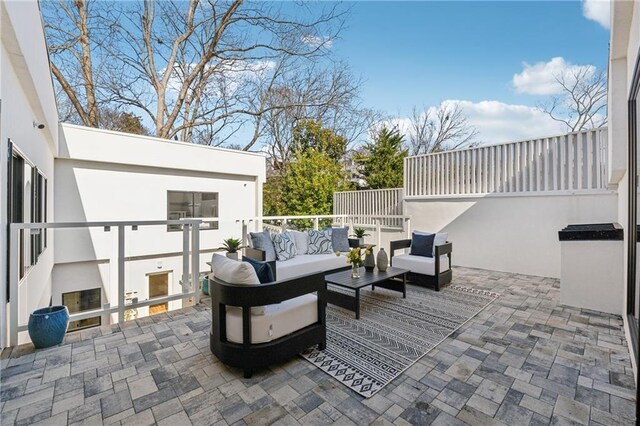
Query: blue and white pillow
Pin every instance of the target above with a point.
(284, 246)
(319, 242)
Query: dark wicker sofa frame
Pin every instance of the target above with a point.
(249, 356)
(440, 278)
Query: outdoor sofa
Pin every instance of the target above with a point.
(304, 262)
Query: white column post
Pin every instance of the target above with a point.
(14, 274)
(121, 274)
(195, 261)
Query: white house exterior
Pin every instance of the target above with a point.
(93, 175)
(27, 97)
(624, 134)
(111, 176)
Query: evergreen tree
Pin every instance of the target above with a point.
(382, 163)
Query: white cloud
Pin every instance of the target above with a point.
(540, 78)
(315, 41)
(599, 11)
(498, 122)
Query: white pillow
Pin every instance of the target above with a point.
(301, 240)
(235, 272)
(440, 239)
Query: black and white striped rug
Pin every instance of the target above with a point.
(392, 333)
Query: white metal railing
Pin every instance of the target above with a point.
(190, 261)
(572, 162)
(363, 204)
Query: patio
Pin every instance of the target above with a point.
(523, 360)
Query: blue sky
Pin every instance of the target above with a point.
(422, 53)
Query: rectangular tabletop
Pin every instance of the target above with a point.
(344, 279)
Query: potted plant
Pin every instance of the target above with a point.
(232, 245)
(360, 233)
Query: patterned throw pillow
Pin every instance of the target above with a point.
(319, 242)
(284, 246)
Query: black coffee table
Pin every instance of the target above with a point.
(392, 279)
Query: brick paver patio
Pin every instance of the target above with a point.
(523, 360)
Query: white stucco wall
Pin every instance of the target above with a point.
(111, 176)
(509, 233)
(27, 95)
(623, 57)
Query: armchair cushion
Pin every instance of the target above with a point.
(421, 264)
(284, 246)
(262, 241)
(263, 269)
(422, 244)
(278, 321)
(240, 273)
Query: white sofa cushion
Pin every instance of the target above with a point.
(308, 264)
(420, 264)
(278, 320)
(301, 240)
(235, 272)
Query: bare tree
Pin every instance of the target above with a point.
(440, 129)
(328, 95)
(582, 102)
(199, 70)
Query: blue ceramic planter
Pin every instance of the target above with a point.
(47, 326)
(205, 285)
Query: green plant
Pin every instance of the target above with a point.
(360, 233)
(232, 245)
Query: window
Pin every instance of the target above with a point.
(183, 205)
(38, 213)
(83, 300)
(27, 202)
(158, 287)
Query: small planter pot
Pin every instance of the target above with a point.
(233, 255)
(47, 326)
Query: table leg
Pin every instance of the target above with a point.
(404, 286)
(357, 303)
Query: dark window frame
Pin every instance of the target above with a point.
(632, 241)
(213, 224)
(99, 305)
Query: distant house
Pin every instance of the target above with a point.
(51, 172)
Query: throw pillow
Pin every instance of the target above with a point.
(262, 241)
(422, 244)
(263, 269)
(234, 272)
(284, 246)
(339, 239)
(319, 242)
(301, 240)
(440, 239)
